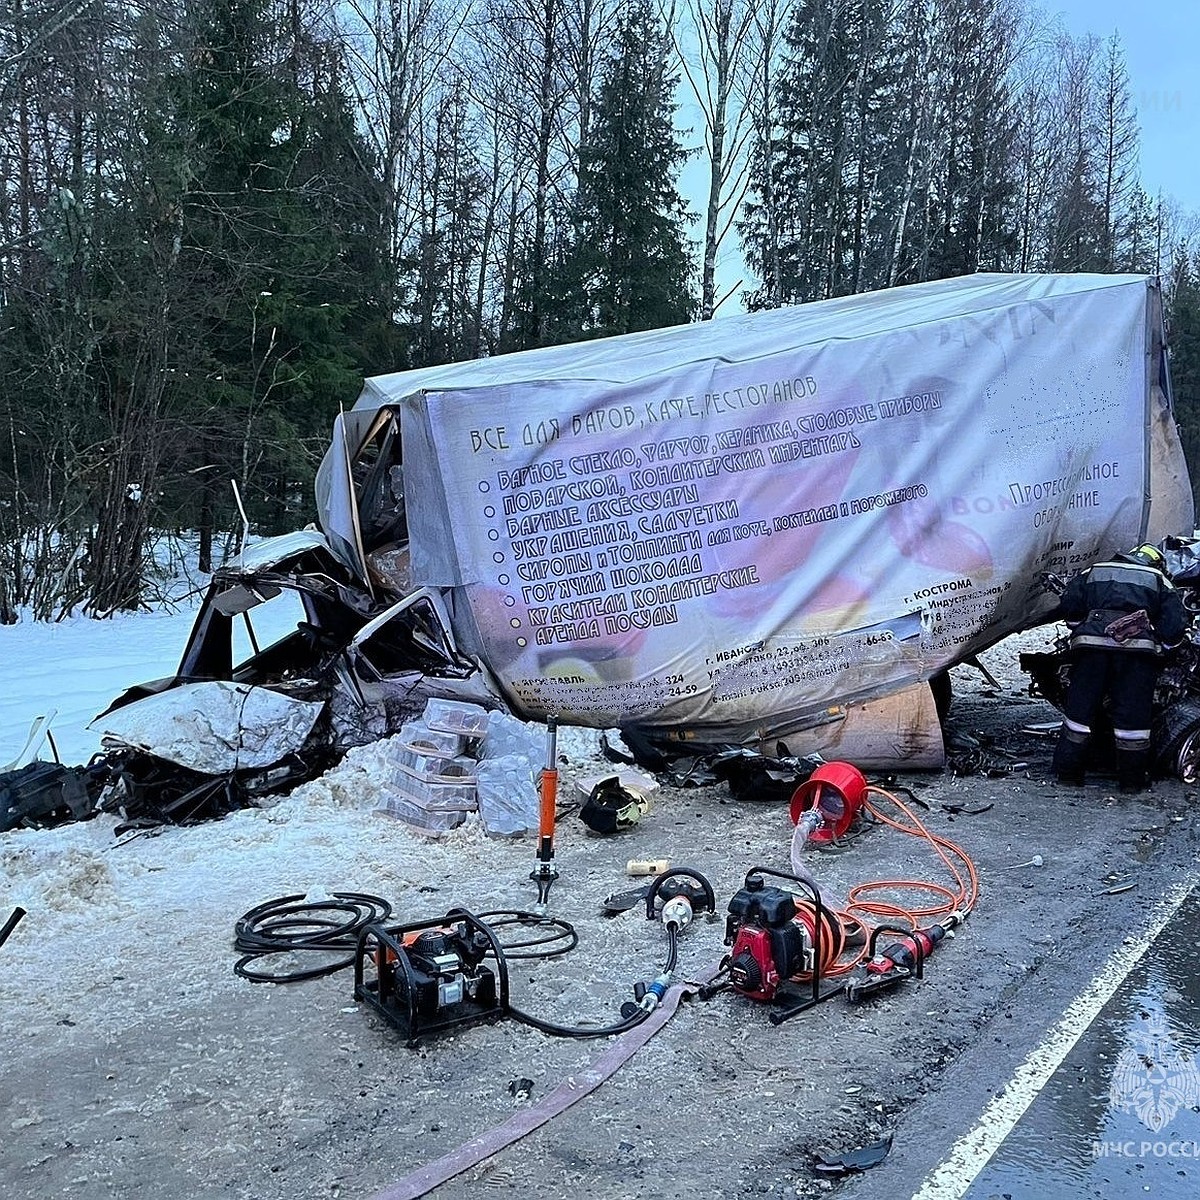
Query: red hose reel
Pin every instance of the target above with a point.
(836, 790)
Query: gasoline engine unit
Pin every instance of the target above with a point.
(780, 939)
(432, 975)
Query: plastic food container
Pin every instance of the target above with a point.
(428, 820)
(456, 716)
(435, 791)
(418, 734)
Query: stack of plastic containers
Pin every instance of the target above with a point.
(507, 776)
(433, 767)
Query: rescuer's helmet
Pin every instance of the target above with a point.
(1147, 555)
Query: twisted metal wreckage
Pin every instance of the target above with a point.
(782, 527)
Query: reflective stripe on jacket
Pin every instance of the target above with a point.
(1103, 593)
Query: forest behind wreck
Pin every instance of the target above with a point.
(216, 220)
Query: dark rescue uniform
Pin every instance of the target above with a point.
(1121, 668)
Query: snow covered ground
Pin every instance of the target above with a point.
(75, 668)
(81, 875)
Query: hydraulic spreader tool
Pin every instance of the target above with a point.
(903, 959)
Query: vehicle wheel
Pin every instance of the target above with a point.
(1050, 676)
(1177, 738)
(942, 688)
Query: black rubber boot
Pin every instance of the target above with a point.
(1132, 770)
(1070, 755)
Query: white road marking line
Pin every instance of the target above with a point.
(972, 1152)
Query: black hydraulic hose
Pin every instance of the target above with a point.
(579, 1031)
(11, 924)
(544, 946)
(672, 948)
(291, 923)
(624, 1026)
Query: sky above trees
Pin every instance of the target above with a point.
(1160, 38)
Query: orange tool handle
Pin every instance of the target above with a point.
(549, 793)
(549, 803)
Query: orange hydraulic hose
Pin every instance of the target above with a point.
(960, 897)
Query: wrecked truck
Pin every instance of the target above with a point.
(780, 526)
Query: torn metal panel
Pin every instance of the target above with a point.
(276, 551)
(360, 490)
(214, 728)
(417, 626)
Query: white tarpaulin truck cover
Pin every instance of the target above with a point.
(732, 528)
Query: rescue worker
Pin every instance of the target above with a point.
(1122, 615)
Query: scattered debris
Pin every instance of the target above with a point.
(42, 794)
(981, 762)
(753, 776)
(11, 924)
(1043, 728)
(612, 806)
(1035, 861)
(973, 661)
(146, 790)
(852, 1161)
(613, 747)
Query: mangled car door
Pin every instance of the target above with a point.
(410, 648)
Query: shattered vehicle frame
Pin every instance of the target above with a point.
(290, 663)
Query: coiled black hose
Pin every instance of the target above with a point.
(292, 923)
(559, 938)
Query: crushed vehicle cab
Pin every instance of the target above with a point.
(289, 664)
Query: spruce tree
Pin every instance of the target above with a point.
(970, 206)
(631, 264)
(281, 231)
(821, 160)
(1183, 338)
